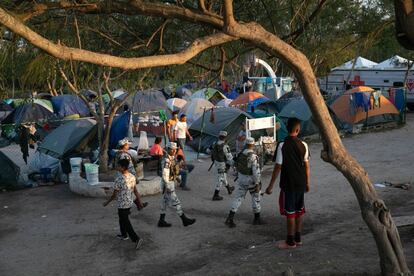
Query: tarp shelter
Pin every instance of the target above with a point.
(344, 110)
(147, 104)
(210, 94)
(119, 129)
(10, 172)
(176, 104)
(27, 113)
(70, 138)
(224, 102)
(229, 119)
(70, 105)
(246, 98)
(298, 108)
(194, 109)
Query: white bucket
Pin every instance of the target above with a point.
(75, 164)
(92, 173)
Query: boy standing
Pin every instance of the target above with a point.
(124, 189)
(292, 160)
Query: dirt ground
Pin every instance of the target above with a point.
(51, 231)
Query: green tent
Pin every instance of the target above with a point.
(9, 173)
(70, 137)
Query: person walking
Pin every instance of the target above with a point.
(223, 159)
(292, 162)
(247, 165)
(181, 131)
(124, 190)
(170, 172)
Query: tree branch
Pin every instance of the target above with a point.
(228, 14)
(68, 53)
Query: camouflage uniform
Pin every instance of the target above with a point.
(221, 166)
(169, 174)
(248, 182)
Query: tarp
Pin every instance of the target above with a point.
(176, 104)
(10, 172)
(194, 109)
(210, 94)
(245, 98)
(26, 113)
(119, 129)
(229, 119)
(232, 94)
(68, 138)
(386, 112)
(68, 105)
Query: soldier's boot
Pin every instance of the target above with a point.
(257, 220)
(229, 221)
(187, 221)
(216, 196)
(230, 189)
(162, 222)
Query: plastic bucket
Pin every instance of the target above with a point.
(92, 173)
(75, 164)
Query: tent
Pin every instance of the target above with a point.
(10, 172)
(69, 138)
(210, 94)
(145, 106)
(26, 113)
(5, 110)
(224, 102)
(286, 98)
(393, 63)
(246, 98)
(298, 108)
(360, 63)
(232, 94)
(176, 104)
(264, 104)
(342, 107)
(194, 109)
(183, 93)
(119, 129)
(70, 105)
(45, 103)
(229, 119)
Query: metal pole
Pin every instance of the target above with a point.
(201, 133)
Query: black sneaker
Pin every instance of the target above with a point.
(138, 244)
(123, 238)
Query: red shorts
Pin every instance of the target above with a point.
(292, 204)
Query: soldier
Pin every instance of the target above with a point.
(169, 174)
(247, 165)
(222, 159)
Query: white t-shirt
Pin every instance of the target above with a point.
(181, 129)
(279, 155)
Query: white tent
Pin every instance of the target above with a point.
(176, 104)
(359, 64)
(194, 109)
(395, 62)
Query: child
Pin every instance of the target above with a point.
(124, 188)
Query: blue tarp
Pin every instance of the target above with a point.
(232, 95)
(67, 105)
(119, 129)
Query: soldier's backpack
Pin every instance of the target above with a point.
(217, 153)
(240, 163)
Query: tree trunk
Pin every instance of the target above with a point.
(374, 211)
(103, 160)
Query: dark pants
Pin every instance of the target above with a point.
(125, 225)
(184, 173)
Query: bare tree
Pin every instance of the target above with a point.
(374, 211)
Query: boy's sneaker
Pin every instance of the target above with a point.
(139, 243)
(123, 238)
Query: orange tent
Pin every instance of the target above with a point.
(245, 98)
(342, 107)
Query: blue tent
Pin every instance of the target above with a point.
(67, 105)
(232, 95)
(119, 129)
(263, 104)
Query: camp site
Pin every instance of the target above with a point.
(207, 137)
